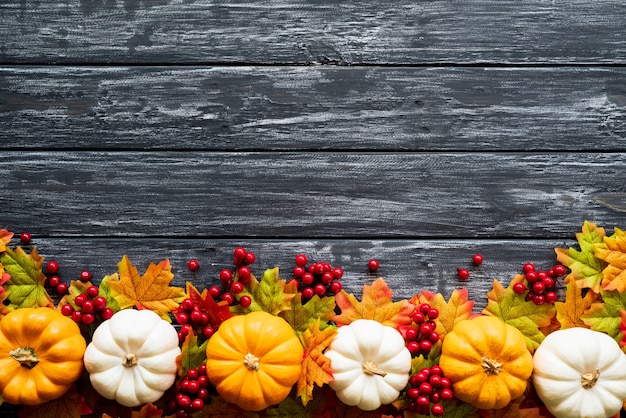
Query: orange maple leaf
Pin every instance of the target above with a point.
(315, 366)
(458, 308)
(613, 252)
(150, 291)
(71, 405)
(376, 303)
(569, 313)
(5, 238)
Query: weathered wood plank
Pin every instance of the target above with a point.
(304, 32)
(270, 108)
(310, 195)
(409, 266)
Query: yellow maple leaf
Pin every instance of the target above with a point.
(5, 238)
(150, 291)
(569, 313)
(613, 251)
(315, 365)
(376, 304)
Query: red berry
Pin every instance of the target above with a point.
(203, 393)
(244, 274)
(183, 400)
(208, 331)
(422, 401)
(240, 253)
(202, 369)
(187, 304)
(532, 276)
(80, 299)
(433, 313)
(308, 292)
(320, 290)
(193, 386)
(559, 270)
(250, 258)
(203, 380)
(528, 267)
(425, 389)
(25, 237)
(435, 381)
(539, 299)
(413, 393)
(228, 297)
(424, 308)
(435, 397)
(77, 316)
(87, 306)
(548, 282)
(418, 317)
(318, 269)
(196, 316)
(67, 310)
(373, 265)
(434, 337)
(193, 265)
(542, 275)
(327, 277)
(307, 279)
(92, 291)
(298, 271)
(106, 313)
(335, 287)
(539, 287)
(436, 369)
(337, 273)
(446, 383)
(301, 260)
(463, 273)
(62, 288)
(446, 395)
(437, 410)
(88, 318)
(551, 297)
(477, 259)
(426, 328)
(411, 334)
(413, 347)
(426, 346)
(182, 318)
(245, 301)
(85, 276)
(519, 288)
(215, 292)
(54, 281)
(192, 373)
(236, 288)
(52, 267)
(99, 302)
(419, 378)
(226, 275)
(196, 405)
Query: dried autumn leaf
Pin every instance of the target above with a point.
(315, 365)
(301, 316)
(376, 303)
(569, 313)
(271, 294)
(150, 291)
(613, 252)
(585, 267)
(515, 409)
(605, 316)
(457, 308)
(26, 285)
(71, 405)
(524, 315)
(192, 355)
(219, 408)
(218, 311)
(5, 238)
(148, 410)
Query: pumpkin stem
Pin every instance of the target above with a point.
(26, 356)
(589, 379)
(370, 368)
(490, 366)
(130, 360)
(251, 362)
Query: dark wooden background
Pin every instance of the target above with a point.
(415, 132)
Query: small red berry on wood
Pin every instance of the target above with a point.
(25, 237)
(373, 265)
(463, 273)
(193, 265)
(477, 259)
(52, 267)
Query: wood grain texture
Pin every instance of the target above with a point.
(310, 195)
(305, 32)
(273, 108)
(409, 266)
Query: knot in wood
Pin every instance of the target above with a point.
(251, 362)
(491, 366)
(130, 360)
(589, 379)
(25, 356)
(370, 368)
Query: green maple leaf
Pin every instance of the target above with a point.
(301, 316)
(192, 354)
(271, 294)
(606, 316)
(26, 285)
(524, 315)
(585, 267)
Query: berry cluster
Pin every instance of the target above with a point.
(191, 317)
(428, 388)
(191, 392)
(420, 339)
(317, 278)
(90, 306)
(54, 280)
(541, 285)
(234, 281)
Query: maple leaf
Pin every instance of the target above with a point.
(4, 277)
(301, 316)
(192, 355)
(585, 267)
(524, 315)
(5, 238)
(613, 252)
(515, 409)
(458, 308)
(150, 291)
(70, 405)
(26, 285)
(605, 316)
(219, 408)
(376, 303)
(315, 365)
(569, 313)
(271, 294)
(218, 311)
(148, 410)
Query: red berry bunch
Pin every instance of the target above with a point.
(88, 307)
(190, 316)
(420, 338)
(428, 388)
(540, 284)
(319, 278)
(234, 281)
(54, 280)
(191, 392)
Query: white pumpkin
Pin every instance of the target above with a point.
(370, 364)
(132, 357)
(580, 373)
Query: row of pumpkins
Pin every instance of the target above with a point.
(255, 359)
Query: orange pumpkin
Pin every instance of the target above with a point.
(487, 362)
(254, 360)
(41, 355)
